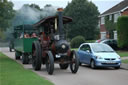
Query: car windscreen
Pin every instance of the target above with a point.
(101, 48)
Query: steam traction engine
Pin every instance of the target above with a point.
(52, 46)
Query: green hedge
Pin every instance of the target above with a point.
(122, 31)
(76, 41)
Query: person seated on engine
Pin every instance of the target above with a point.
(33, 35)
(26, 35)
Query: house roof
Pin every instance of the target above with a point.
(117, 7)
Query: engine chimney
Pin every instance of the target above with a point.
(60, 22)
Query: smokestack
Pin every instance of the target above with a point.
(60, 22)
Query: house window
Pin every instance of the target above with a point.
(116, 16)
(110, 17)
(102, 20)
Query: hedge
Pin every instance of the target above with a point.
(76, 41)
(122, 31)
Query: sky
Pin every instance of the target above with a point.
(102, 5)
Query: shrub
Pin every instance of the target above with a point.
(76, 41)
(122, 31)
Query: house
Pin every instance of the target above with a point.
(112, 14)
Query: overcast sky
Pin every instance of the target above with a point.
(102, 5)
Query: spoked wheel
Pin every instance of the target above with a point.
(92, 64)
(25, 59)
(36, 56)
(74, 65)
(49, 63)
(64, 66)
(17, 55)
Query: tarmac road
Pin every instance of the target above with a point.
(85, 75)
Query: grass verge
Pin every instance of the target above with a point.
(125, 61)
(123, 53)
(12, 73)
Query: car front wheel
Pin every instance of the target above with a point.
(117, 67)
(92, 64)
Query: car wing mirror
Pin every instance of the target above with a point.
(87, 51)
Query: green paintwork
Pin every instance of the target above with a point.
(24, 45)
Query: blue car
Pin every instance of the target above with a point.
(98, 55)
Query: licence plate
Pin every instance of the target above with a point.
(110, 62)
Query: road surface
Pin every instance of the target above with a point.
(85, 75)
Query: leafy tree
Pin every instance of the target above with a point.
(85, 19)
(35, 6)
(6, 14)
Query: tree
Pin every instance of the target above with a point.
(85, 18)
(6, 14)
(35, 6)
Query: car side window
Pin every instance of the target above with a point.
(88, 49)
(85, 48)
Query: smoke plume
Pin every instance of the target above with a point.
(29, 15)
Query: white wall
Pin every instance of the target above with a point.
(115, 35)
(103, 35)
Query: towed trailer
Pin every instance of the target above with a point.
(22, 45)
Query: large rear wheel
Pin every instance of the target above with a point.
(49, 63)
(74, 65)
(36, 55)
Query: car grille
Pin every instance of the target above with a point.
(110, 63)
(110, 59)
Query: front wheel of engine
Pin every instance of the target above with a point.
(49, 63)
(74, 65)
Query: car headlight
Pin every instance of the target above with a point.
(118, 57)
(99, 57)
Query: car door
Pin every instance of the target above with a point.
(83, 54)
(88, 54)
